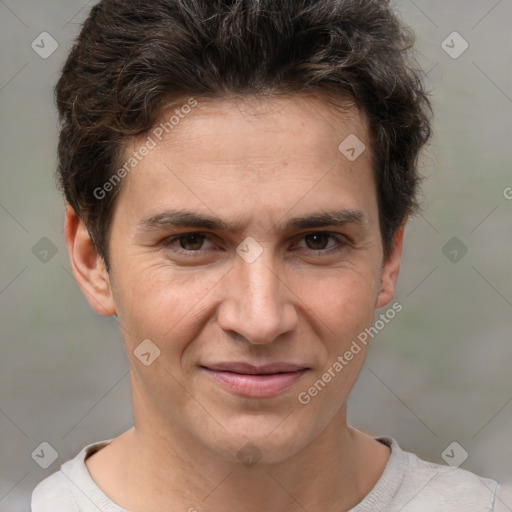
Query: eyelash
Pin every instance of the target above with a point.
(168, 243)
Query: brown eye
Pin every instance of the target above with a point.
(322, 243)
(191, 242)
(189, 245)
(317, 241)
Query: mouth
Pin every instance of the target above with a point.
(255, 381)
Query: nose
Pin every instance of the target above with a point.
(257, 305)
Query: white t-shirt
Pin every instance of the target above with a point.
(408, 484)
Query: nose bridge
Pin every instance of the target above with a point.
(262, 284)
(256, 304)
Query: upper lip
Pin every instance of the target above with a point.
(249, 369)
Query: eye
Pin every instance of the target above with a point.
(186, 244)
(193, 244)
(318, 242)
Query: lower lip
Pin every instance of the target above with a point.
(256, 386)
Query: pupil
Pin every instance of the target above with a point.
(188, 238)
(317, 236)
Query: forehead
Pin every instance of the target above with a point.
(258, 154)
(266, 124)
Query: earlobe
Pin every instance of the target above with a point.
(87, 265)
(390, 270)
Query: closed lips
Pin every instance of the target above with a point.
(251, 381)
(248, 369)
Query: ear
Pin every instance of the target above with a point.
(87, 265)
(390, 269)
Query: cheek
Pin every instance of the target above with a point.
(157, 302)
(342, 307)
(342, 301)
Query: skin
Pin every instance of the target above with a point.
(256, 163)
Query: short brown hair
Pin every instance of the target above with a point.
(131, 59)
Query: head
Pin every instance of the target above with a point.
(238, 176)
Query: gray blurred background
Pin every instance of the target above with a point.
(438, 373)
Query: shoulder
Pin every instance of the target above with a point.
(71, 489)
(53, 494)
(427, 486)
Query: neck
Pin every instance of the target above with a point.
(168, 471)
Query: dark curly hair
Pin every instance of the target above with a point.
(132, 59)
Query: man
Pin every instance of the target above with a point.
(238, 177)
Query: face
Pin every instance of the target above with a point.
(246, 246)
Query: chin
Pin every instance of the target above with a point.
(252, 439)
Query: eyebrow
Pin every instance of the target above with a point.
(187, 218)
